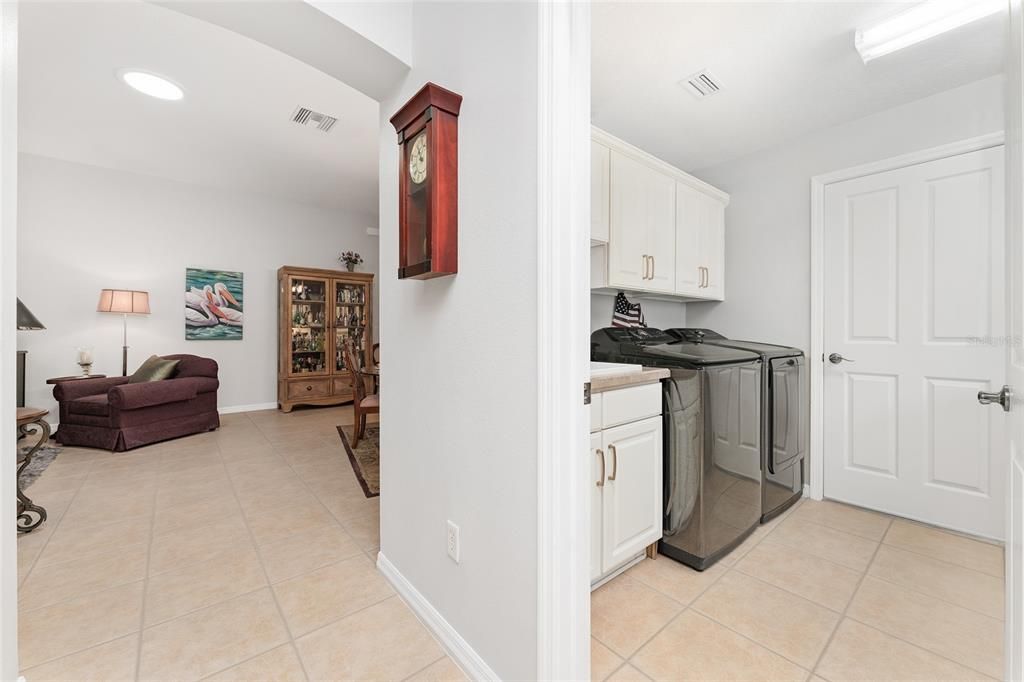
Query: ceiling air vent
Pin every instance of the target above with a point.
(313, 119)
(701, 84)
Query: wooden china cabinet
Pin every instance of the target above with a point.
(318, 311)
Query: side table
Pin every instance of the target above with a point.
(30, 515)
(77, 377)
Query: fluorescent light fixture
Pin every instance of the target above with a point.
(921, 22)
(151, 84)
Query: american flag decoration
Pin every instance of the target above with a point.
(627, 314)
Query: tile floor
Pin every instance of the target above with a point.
(176, 561)
(242, 554)
(827, 592)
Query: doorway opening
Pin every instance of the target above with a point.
(721, 212)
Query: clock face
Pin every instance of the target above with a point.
(418, 159)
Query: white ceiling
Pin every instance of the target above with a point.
(232, 130)
(787, 69)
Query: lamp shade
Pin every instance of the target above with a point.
(123, 301)
(26, 320)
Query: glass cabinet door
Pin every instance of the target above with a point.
(309, 326)
(350, 305)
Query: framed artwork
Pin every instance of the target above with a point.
(213, 305)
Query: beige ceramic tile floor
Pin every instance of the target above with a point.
(242, 554)
(827, 592)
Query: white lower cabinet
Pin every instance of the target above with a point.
(626, 486)
(597, 471)
(632, 493)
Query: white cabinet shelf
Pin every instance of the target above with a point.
(655, 230)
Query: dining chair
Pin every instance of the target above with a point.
(375, 354)
(362, 404)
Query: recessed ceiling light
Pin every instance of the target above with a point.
(151, 84)
(921, 22)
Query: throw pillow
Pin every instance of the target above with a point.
(155, 368)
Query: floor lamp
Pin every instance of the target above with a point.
(124, 301)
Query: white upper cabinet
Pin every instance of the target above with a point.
(689, 276)
(700, 244)
(627, 261)
(712, 249)
(599, 177)
(654, 228)
(642, 227)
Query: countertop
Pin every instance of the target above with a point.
(609, 382)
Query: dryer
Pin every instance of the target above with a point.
(784, 409)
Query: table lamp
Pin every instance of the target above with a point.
(124, 301)
(26, 322)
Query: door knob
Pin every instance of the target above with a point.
(836, 358)
(1001, 398)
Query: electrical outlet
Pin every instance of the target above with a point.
(453, 542)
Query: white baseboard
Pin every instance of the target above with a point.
(247, 408)
(458, 648)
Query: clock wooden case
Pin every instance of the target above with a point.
(428, 183)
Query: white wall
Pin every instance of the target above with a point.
(460, 391)
(657, 314)
(8, 271)
(82, 228)
(388, 24)
(767, 249)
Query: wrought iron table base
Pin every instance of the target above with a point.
(30, 515)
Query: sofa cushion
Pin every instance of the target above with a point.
(96, 405)
(193, 366)
(153, 369)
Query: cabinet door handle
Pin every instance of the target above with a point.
(653, 265)
(600, 481)
(615, 463)
(707, 277)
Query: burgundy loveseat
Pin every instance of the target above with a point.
(113, 414)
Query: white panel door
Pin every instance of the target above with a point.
(628, 265)
(600, 160)
(1014, 551)
(632, 490)
(688, 247)
(597, 473)
(914, 300)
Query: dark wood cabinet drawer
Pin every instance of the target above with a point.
(309, 388)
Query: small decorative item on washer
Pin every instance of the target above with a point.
(626, 314)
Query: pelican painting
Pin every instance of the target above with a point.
(213, 305)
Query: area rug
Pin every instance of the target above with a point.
(365, 459)
(43, 458)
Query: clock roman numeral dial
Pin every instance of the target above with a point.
(418, 159)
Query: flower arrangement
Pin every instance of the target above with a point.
(350, 259)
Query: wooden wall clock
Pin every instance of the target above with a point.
(428, 182)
